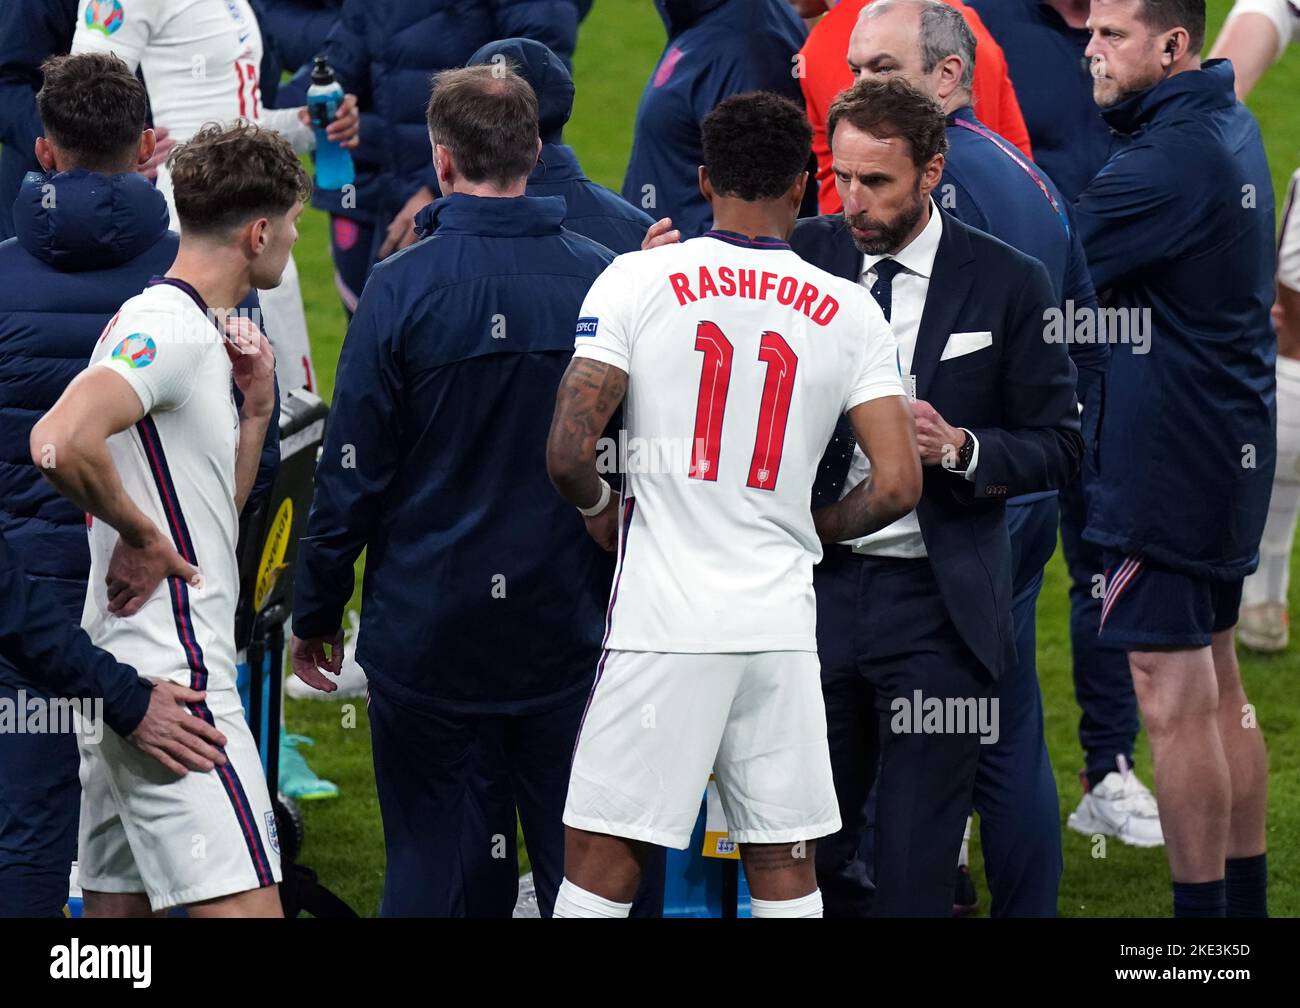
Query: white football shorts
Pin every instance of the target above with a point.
(180, 840)
(657, 723)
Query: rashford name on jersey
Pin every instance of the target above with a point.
(756, 285)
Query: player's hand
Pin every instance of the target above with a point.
(163, 146)
(937, 439)
(401, 232)
(173, 736)
(661, 232)
(134, 572)
(604, 527)
(345, 130)
(308, 658)
(253, 363)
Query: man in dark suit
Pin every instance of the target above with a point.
(914, 622)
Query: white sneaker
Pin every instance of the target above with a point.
(1264, 627)
(1122, 807)
(351, 680)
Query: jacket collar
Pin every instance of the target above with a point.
(496, 217)
(557, 163)
(1193, 92)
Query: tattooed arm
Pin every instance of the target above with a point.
(589, 393)
(885, 430)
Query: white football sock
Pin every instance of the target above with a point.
(1269, 583)
(572, 901)
(804, 906)
(963, 856)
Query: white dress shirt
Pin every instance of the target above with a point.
(903, 538)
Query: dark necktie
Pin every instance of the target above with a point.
(837, 458)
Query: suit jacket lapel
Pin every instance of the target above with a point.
(949, 285)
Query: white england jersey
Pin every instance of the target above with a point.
(178, 466)
(740, 358)
(200, 58)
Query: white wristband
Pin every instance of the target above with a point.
(600, 505)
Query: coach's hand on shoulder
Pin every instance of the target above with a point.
(661, 232)
(604, 526)
(134, 572)
(345, 130)
(173, 736)
(308, 658)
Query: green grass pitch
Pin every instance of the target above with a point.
(617, 49)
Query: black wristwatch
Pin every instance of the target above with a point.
(966, 451)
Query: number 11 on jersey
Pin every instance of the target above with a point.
(773, 414)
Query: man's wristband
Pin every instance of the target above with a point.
(601, 503)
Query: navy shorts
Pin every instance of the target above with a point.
(1147, 605)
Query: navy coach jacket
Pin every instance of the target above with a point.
(592, 210)
(483, 592)
(716, 48)
(1180, 223)
(30, 32)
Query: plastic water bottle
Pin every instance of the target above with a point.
(333, 163)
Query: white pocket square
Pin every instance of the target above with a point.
(962, 343)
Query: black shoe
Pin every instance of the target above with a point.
(965, 900)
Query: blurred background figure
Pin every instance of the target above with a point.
(30, 32)
(1043, 41)
(716, 48)
(202, 61)
(1254, 37)
(826, 73)
(386, 53)
(591, 210)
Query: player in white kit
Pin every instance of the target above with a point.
(149, 441)
(201, 60)
(733, 345)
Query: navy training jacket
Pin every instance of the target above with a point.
(483, 592)
(1180, 223)
(716, 48)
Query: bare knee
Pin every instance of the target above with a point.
(1173, 688)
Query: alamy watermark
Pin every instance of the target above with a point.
(922, 715)
(41, 715)
(1116, 326)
